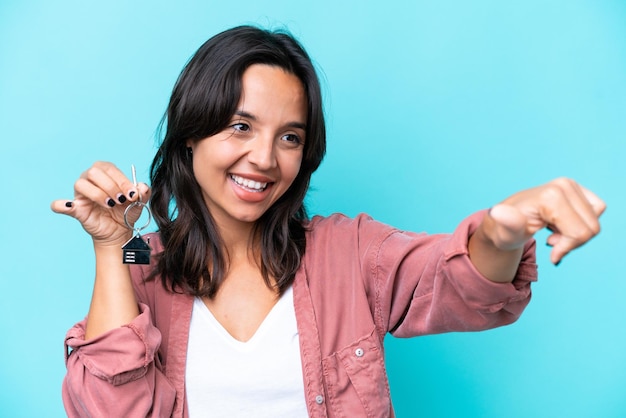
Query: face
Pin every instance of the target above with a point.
(248, 166)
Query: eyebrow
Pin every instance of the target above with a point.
(244, 114)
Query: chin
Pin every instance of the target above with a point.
(248, 217)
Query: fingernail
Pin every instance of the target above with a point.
(131, 194)
(68, 204)
(548, 244)
(121, 198)
(489, 211)
(110, 202)
(557, 263)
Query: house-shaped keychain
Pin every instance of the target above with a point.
(136, 251)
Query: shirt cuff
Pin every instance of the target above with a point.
(479, 292)
(120, 355)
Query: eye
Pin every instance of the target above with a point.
(292, 138)
(240, 127)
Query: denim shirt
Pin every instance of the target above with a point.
(359, 280)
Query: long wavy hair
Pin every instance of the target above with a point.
(203, 100)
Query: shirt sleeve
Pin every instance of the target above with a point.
(116, 373)
(426, 284)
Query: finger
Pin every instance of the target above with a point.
(569, 215)
(64, 207)
(144, 191)
(96, 193)
(109, 180)
(598, 205)
(563, 245)
(553, 239)
(582, 202)
(574, 233)
(128, 188)
(79, 209)
(589, 205)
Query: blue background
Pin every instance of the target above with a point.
(435, 109)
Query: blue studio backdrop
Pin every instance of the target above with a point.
(435, 109)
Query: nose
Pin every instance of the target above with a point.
(262, 153)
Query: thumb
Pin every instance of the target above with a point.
(62, 206)
(145, 191)
(506, 226)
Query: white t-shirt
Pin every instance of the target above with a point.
(261, 377)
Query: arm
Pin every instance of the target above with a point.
(483, 279)
(101, 195)
(113, 368)
(113, 301)
(419, 284)
(427, 284)
(412, 283)
(569, 210)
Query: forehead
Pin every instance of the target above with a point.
(267, 88)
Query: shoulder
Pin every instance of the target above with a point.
(346, 234)
(339, 221)
(339, 225)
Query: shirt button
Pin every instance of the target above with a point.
(359, 352)
(319, 399)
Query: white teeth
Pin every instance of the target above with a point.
(249, 184)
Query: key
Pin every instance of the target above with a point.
(136, 251)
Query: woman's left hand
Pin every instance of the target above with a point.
(563, 206)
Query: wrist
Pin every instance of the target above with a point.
(112, 244)
(495, 263)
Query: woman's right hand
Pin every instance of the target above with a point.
(101, 195)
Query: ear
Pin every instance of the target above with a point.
(189, 145)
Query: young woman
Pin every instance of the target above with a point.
(249, 308)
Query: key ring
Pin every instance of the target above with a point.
(135, 204)
(132, 227)
(136, 250)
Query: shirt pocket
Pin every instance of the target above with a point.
(356, 380)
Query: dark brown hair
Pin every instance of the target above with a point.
(203, 100)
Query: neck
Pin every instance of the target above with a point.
(239, 242)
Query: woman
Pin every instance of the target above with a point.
(248, 307)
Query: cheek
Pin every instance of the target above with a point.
(209, 159)
(293, 168)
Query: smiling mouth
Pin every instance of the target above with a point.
(251, 185)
